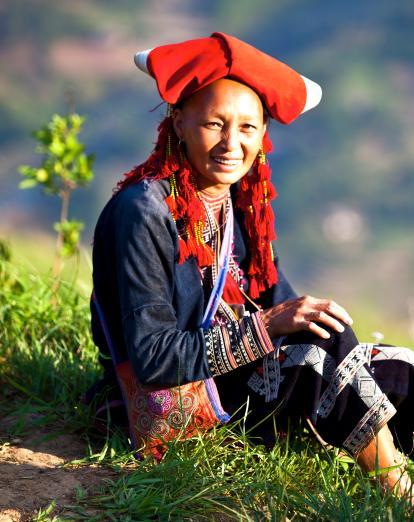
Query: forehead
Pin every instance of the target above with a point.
(225, 95)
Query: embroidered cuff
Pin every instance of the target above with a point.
(370, 424)
(237, 343)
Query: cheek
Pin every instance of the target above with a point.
(199, 145)
(252, 150)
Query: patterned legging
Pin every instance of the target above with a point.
(347, 390)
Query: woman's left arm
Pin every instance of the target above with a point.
(285, 312)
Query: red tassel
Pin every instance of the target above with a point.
(183, 250)
(208, 255)
(191, 245)
(253, 288)
(172, 164)
(269, 217)
(172, 205)
(267, 143)
(271, 191)
(181, 205)
(205, 255)
(231, 291)
(254, 196)
(263, 172)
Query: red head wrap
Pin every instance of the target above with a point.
(183, 68)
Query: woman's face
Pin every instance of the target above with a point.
(222, 127)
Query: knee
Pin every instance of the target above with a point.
(341, 342)
(345, 338)
(347, 334)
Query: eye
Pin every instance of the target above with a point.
(249, 127)
(213, 125)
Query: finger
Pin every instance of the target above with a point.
(334, 309)
(316, 329)
(328, 320)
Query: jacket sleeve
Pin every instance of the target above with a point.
(161, 354)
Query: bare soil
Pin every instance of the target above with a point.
(32, 474)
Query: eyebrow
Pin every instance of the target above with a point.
(215, 114)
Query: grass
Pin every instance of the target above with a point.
(48, 360)
(34, 252)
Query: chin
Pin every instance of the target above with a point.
(225, 179)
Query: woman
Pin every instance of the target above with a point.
(188, 300)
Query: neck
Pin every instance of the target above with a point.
(215, 191)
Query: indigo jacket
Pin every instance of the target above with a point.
(153, 306)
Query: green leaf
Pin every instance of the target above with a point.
(42, 175)
(25, 170)
(5, 251)
(43, 135)
(64, 167)
(70, 231)
(28, 183)
(76, 121)
(57, 147)
(73, 144)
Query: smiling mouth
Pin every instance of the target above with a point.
(228, 162)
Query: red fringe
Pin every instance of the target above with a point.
(253, 198)
(259, 223)
(183, 250)
(231, 291)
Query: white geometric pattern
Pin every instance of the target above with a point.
(397, 353)
(374, 419)
(353, 371)
(344, 374)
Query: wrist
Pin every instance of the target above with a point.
(265, 316)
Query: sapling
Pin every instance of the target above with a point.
(65, 166)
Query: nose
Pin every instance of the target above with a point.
(230, 138)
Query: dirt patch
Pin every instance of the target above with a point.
(32, 475)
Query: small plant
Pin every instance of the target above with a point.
(65, 167)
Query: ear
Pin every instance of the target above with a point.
(178, 123)
(264, 128)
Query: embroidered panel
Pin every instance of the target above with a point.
(236, 343)
(290, 356)
(375, 418)
(399, 353)
(157, 416)
(350, 371)
(344, 374)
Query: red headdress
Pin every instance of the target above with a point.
(184, 68)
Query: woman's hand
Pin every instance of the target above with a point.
(305, 313)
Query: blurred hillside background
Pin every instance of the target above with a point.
(344, 172)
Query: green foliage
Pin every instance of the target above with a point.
(223, 476)
(10, 284)
(46, 351)
(5, 252)
(64, 160)
(47, 360)
(65, 166)
(70, 236)
(44, 515)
